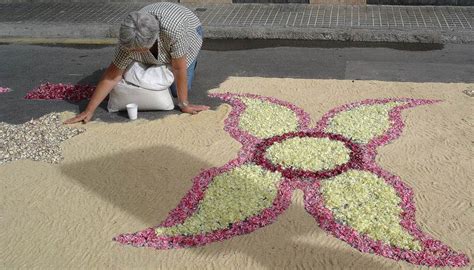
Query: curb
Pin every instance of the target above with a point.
(106, 34)
(66, 41)
(342, 34)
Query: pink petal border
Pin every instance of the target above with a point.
(394, 115)
(231, 124)
(434, 252)
(355, 161)
(188, 205)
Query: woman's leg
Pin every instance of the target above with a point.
(190, 71)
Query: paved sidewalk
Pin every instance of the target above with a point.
(425, 24)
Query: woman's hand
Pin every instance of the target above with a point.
(110, 78)
(194, 109)
(84, 117)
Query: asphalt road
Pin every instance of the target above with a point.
(24, 67)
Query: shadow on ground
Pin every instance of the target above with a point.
(251, 44)
(147, 183)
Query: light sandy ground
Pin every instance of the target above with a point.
(118, 178)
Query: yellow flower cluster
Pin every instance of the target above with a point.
(365, 202)
(363, 123)
(263, 119)
(308, 153)
(231, 197)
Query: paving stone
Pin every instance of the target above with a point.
(329, 16)
(283, 21)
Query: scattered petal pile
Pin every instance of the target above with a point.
(4, 90)
(60, 91)
(37, 139)
(334, 164)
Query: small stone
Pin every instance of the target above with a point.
(469, 92)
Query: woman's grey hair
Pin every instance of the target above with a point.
(138, 30)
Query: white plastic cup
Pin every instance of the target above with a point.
(132, 110)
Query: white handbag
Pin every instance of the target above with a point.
(147, 86)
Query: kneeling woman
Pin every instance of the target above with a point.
(161, 33)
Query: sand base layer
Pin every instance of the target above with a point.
(118, 178)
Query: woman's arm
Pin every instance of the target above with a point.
(110, 78)
(180, 75)
(181, 78)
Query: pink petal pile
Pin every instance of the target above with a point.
(4, 90)
(60, 91)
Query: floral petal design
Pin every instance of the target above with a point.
(309, 153)
(359, 217)
(235, 202)
(364, 201)
(231, 197)
(254, 117)
(368, 120)
(334, 163)
(263, 119)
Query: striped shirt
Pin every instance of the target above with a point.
(177, 37)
